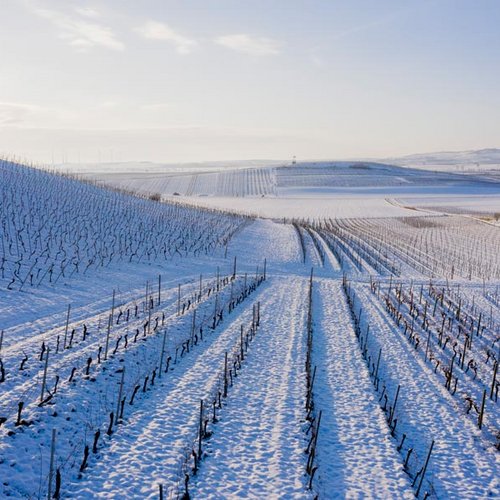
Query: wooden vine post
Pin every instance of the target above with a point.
(200, 432)
(113, 305)
(481, 413)
(120, 393)
(162, 354)
(51, 467)
(67, 324)
(494, 380)
(44, 379)
(225, 375)
(425, 469)
(110, 319)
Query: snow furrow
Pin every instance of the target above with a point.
(150, 447)
(355, 455)
(460, 465)
(257, 449)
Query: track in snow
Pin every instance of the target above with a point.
(460, 464)
(150, 447)
(356, 455)
(257, 449)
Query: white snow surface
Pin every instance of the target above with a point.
(357, 453)
(256, 446)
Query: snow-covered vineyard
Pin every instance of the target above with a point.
(156, 350)
(273, 181)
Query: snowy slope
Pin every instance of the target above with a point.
(480, 159)
(159, 348)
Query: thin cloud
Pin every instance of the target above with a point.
(257, 46)
(81, 33)
(108, 104)
(87, 12)
(15, 114)
(154, 30)
(317, 60)
(374, 23)
(158, 106)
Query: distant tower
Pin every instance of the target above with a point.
(294, 161)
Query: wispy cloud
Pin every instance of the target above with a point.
(317, 60)
(156, 106)
(108, 104)
(87, 12)
(78, 31)
(376, 22)
(154, 30)
(15, 114)
(257, 46)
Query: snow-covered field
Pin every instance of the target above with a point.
(155, 348)
(307, 190)
(481, 160)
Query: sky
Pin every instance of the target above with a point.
(205, 80)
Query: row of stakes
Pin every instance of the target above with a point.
(451, 379)
(102, 355)
(208, 410)
(116, 417)
(388, 409)
(314, 419)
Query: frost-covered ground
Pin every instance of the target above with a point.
(313, 190)
(397, 302)
(482, 160)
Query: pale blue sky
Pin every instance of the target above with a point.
(200, 80)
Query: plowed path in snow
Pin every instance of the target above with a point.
(356, 455)
(257, 450)
(149, 448)
(461, 464)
